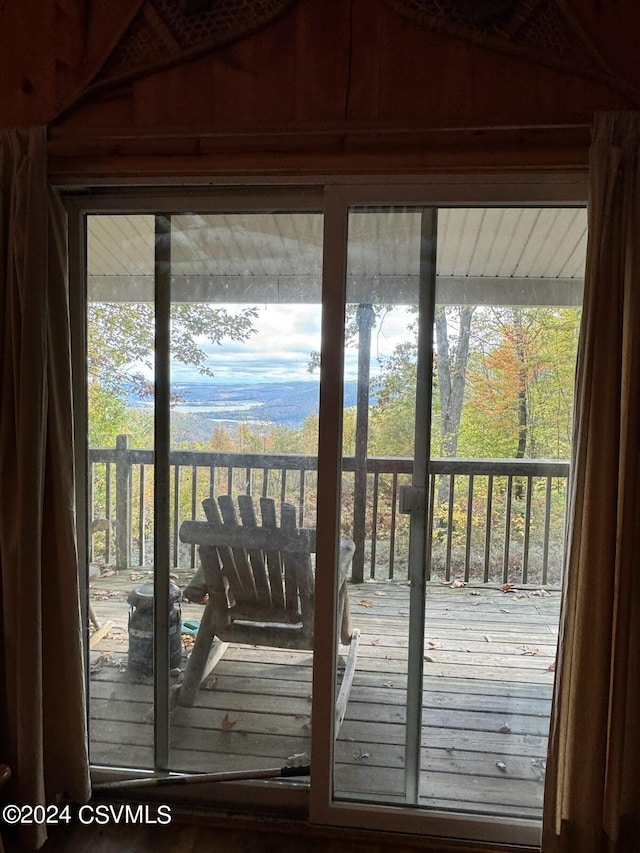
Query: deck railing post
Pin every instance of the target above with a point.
(365, 320)
(123, 503)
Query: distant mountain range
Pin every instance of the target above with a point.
(203, 405)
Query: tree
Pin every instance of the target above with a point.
(121, 340)
(452, 355)
(520, 383)
(392, 419)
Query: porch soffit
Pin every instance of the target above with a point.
(518, 255)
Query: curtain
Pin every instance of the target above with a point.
(592, 794)
(43, 723)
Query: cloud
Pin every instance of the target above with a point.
(280, 349)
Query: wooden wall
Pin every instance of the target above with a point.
(338, 85)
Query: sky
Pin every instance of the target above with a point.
(279, 351)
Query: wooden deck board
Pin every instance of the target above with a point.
(488, 681)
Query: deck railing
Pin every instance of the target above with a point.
(488, 520)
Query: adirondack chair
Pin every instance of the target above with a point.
(260, 585)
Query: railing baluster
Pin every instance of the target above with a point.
(107, 513)
(301, 500)
(124, 460)
(432, 498)
(194, 511)
(176, 512)
(547, 525)
(91, 505)
(392, 534)
(142, 549)
(374, 525)
(527, 532)
(467, 550)
(488, 524)
(452, 485)
(507, 530)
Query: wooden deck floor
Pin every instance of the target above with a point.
(487, 690)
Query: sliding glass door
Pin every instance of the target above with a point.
(202, 335)
(462, 326)
(324, 486)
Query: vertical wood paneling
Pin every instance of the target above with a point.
(27, 62)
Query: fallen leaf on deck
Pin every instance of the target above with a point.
(505, 730)
(501, 766)
(379, 592)
(359, 755)
(504, 610)
(488, 638)
(540, 593)
(102, 660)
(434, 644)
(539, 768)
(449, 748)
(429, 659)
(552, 666)
(388, 684)
(298, 758)
(506, 587)
(134, 576)
(375, 642)
(474, 592)
(530, 650)
(365, 603)
(457, 584)
(227, 724)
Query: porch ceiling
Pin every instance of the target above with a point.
(484, 256)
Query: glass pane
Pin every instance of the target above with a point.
(245, 330)
(508, 297)
(120, 342)
(379, 404)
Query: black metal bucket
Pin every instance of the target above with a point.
(141, 628)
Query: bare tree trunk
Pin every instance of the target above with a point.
(452, 377)
(523, 387)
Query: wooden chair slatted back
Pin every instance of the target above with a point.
(268, 577)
